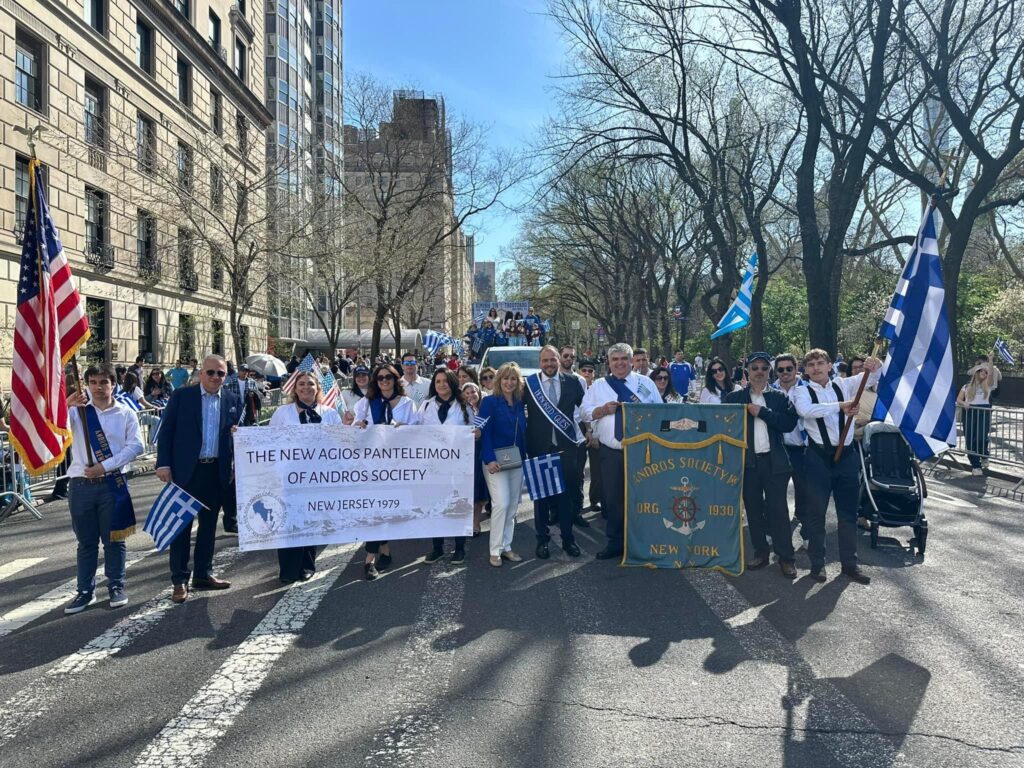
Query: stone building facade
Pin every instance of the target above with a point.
(128, 92)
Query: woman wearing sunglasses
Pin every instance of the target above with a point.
(299, 563)
(385, 403)
(663, 381)
(717, 382)
(486, 381)
(446, 406)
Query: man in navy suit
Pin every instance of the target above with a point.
(544, 435)
(195, 451)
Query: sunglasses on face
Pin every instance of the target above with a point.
(408, 362)
(218, 374)
(785, 369)
(759, 368)
(486, 378)
(718, 370)
(661, 378)
(388, 377)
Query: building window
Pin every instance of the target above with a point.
(145, 143)
(95, 113)
(29, 72)
(184, 7)
(184, 165)
(184, 81)
(96, 15)
(216, 268)
(96, 230)
(241, 7)
(21, 193)
(216, 112)
(186, 337)
(216, 188)
(145, 242)
(240, 53)
(144, 48)
(98, 313)
(147, 332)
(187, 277)
(217, 327)
(215, 31)
(242, 128)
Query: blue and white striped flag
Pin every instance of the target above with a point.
(479, 421)
(434, 340)
(738, 314)
(543, 475)
(131, 402)
(917, 391)
(172, 511)
(1004, 351)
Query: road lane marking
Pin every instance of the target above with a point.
(187, 740)
(17, 566)
(409, 729)
(33, 701)
(55, 598)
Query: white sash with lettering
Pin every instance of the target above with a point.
(558, 420)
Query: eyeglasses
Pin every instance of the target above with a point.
(218, 374)
(785, 369)
(388, 377)
(758, 368)
(661, 378)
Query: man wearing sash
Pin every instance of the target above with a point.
(602, 406)
(105, 439)
(552, 400)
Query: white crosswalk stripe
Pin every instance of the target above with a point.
(187, 740)
(17, 566)
(55, 598)
(35, 700)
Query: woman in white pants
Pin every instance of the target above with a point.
(504, 426)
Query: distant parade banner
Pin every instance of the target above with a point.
(322, 484)
(499, 311)
(684, 475)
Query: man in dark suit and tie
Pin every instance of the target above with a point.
(195, 451)
(552, 413)
(770, 415)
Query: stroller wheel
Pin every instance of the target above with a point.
(874, 535)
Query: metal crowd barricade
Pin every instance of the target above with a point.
(992, 435)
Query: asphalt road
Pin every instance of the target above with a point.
(547, 663)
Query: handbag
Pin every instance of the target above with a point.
(509, 457)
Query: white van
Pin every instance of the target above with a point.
(527, 358)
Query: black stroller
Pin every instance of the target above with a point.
(892, 485)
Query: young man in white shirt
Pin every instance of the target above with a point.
(824, 405)
(92, 497)
(416, 386)
(796, 440)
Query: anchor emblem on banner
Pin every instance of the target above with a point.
(684, 509)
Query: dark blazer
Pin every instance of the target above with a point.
(538, 428)
(780, 416)
(181, 433)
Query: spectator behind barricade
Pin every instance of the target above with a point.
(717, 382)
(178, 375)
(292, 364)
(193, 377)
(663, 381)
(5, 463)
(995, 376)
(975, 401)
(131, 387)
(120, 372)
(157, 388)
(698, 364)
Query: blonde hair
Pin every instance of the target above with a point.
(316, 382)
(507, 371)
(975, 383)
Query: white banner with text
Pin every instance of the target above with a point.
(316, 484)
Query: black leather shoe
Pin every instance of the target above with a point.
(819, 575)
(788, 569)
(854, 573)
(580, 522)
(230, 527)
(759, 561)
(383, 561)
(459, 555)
(571, 549)
(608, 554)
(542, 551)
(434, 555)
(370, 571)
(210, 583)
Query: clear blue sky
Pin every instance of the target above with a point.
(491, 60)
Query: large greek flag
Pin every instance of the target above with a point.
(434, 340)
(172, 511)
(738, 314)
(917, 391)
(543, 476)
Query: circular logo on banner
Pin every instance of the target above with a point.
(265, 514)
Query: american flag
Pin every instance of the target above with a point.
(330, 387)
(307, 365)
(50, 327)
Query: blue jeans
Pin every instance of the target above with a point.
(92, 505)
(842, 482)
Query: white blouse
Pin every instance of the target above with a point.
(404, 412)
(350, 399)
(707, 396)
(428, 414)
(288, 414)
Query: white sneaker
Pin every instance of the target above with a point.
(977, 472)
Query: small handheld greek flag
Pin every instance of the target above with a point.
(1004, 351)
(172, 511)
(543, 475)
(479, 421)
(126, 399)
(434, 340)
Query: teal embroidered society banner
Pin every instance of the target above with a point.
(684, 475)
